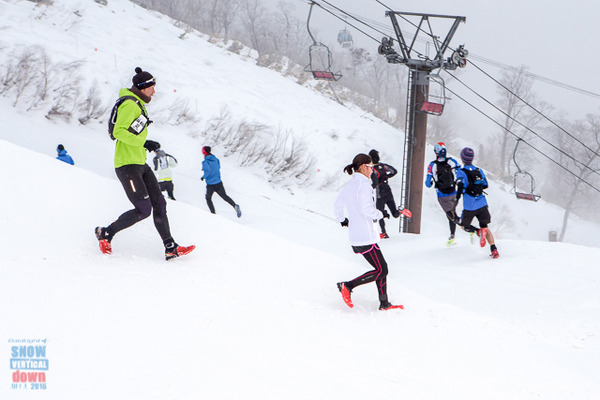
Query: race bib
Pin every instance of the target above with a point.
(138, 125)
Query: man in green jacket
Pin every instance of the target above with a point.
(140, 184)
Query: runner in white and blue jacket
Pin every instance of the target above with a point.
(441, 176)
(475, 204)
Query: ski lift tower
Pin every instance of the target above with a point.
(417, 105)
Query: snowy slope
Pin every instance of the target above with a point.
(254, 312)
(252, 315)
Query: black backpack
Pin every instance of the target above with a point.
(445, 182)
(474, 189)
(113, 114)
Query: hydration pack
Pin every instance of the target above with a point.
(113, 117)
(476, 182)
(445, 182)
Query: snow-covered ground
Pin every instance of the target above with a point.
(254, 312)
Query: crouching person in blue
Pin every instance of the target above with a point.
(471, 182)
(63, 156)
(212, 175)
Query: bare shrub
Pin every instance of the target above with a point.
(91, 107)
(282, 154)
(180, 112)
(65, 96)
(24, 73)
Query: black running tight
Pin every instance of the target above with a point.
(141, 188)
(372, 253)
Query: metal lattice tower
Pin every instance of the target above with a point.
(418, 107)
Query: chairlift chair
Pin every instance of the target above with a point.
(437, 92)
(320, 60)
(523, 180)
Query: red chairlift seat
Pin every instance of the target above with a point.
(527, 196)
(326, 75)
(432, 108)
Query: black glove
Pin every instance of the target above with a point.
(202, 178)
(386, 214)
(344, 223)
(151, 145)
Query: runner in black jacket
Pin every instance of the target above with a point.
(381, 173)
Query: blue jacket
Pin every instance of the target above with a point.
(212, 170)
(432, 170)
(63, 156)
(471, 203)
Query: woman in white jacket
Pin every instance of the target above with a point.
(355, 209)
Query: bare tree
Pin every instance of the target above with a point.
(254, 22)
(519, 85)
(584, 162)
(25, 73)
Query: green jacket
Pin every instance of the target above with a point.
(129, 148)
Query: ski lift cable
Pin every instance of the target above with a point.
(362, 21)
(518, 122)
(342, 19)
(524, 141)
(536, 110)
(535, 76)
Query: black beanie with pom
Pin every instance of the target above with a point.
(142, 79)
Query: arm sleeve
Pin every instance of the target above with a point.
(173, 158)
(339, 207)
(485, 182)
(171, 161)
(460, 180)
(390, 171)
(204, 168)
(429, 178)
(128, 112)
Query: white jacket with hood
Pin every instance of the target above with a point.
(358, 199)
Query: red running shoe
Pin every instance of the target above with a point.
(494, 254)
(345, 294)
(384, 236)
(389, 306)
(104, 244)
(481, 233)
(405, 211)
(178, 252)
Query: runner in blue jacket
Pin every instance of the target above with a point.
(471, 182)
(212, 175)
